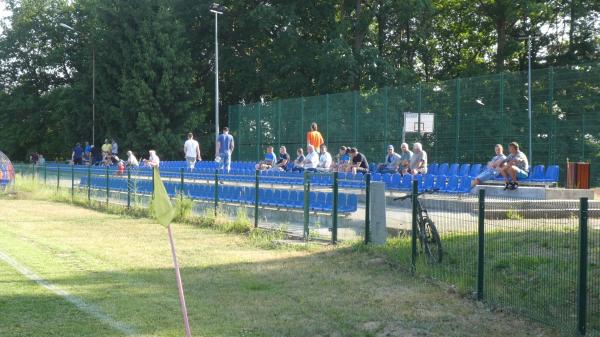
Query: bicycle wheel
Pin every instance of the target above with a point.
(432, 244)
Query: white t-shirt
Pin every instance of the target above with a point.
(325, 160)
(191, 148)
(311, 160)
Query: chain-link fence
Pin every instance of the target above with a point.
(471, 116)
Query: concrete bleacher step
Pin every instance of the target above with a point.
(537, 193)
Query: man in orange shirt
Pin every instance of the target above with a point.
(313, 137)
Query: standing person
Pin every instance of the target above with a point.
(418, 161)
(493, 167)
(106, 149)
(87, 153)
(77, 155)
(96, 155)
(516, 167)
(359, 162)
(114, 148)
(225, 146)
(313, 137)
(191, 149)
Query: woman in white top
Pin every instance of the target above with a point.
(132, 160)
(153, 160)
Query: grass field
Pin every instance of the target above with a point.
(122, 268)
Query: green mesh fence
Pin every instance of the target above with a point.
(471, 115)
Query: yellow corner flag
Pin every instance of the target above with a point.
(161, 204)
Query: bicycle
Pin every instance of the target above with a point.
(429, 238)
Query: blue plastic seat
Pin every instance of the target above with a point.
(406, 183)
(465, 184)
(453, 170)
(475, 170)
(396, 181)
(387, 179)
(443, 169)
(433, 168)
(351, 203)
(452, 185)
(537, 173)
(464, 170)
(439, 183)
(283, 199)
(429, 180)
(552, 173)
(376, 177)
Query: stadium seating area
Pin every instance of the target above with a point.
(279, 198)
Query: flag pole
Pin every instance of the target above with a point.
(186, 321)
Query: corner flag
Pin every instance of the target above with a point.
(161, 204)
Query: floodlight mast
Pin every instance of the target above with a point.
(217, 13)
(93, 83)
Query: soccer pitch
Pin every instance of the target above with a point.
(70, 271)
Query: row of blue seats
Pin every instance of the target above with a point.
(318, 201)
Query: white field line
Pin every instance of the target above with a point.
(79, 303)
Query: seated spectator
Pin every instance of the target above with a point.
(311, 161)
(391, 163)
(358, 162)
(299, 162)
(34, 158)
(418, 161)
(41, 160)
(153, 160)
(77, 155)
(324, 160)
(342, 160)
(96, 155)
(405, 155)
(269, 161)
(282, 162)
(493, 167)
(132, 160)
(516, 167)
(114, 147)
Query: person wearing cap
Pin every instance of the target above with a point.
(418, 161)
(391, 163)
(358, 162)
(516, 167)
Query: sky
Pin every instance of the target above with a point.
(3, 12)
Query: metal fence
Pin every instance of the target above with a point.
(471, 116)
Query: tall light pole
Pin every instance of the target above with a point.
(93, 84)
(529, 103)
(215, 10)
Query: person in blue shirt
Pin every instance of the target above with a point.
(77, 155)
(225, 147)
(269, 161)
(87, 153)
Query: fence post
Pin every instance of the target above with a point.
(57, 177)
(34, 171)
(216, 190)
(153, 168)
(583, 265)
(72, 182)
(306, 204)
(256, 194)
(334, 211)
(413, 239)
(107, 187)
(128, 186)
(368, 208)
(481, 245)
(89, 183)
(181, 184)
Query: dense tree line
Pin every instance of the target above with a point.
(154, 59)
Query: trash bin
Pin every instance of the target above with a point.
(578, 175)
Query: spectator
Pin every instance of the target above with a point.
(96, 155)
(313, 137)
(34, 158)
(77, 155)
(225, 146)
(191, 149)
(114, 148)
(269, 161)
(391, 163)
(418, 161)
(282, 162)
(87, 153)
(132, 160)
(359, 162)
(324, 159)
(493, 167)
(405, 155)
(41, 160)
(517, 167)
(106, 149)
(311, 161)
(299, 162)
(153, 160)
(342, 159)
